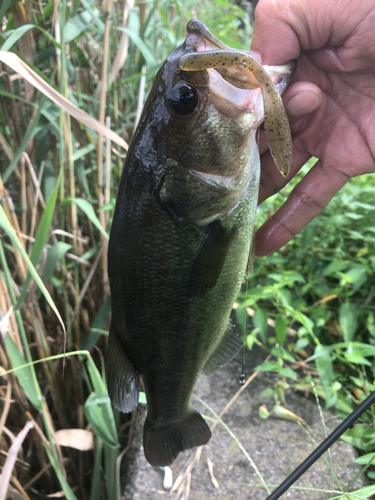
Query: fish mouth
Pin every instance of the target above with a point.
(200, 39)
(232, 89)
(239, 84)
(235, 87)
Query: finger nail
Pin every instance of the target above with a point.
(303, 102)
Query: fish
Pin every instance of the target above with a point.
(182, 237)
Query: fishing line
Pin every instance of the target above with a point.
(322, 448)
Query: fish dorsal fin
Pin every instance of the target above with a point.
(249, 267)
(210, 259)
(123, 380)
(228, 347)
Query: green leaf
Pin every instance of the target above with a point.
(371, 324)
(137, 40)
(281, 324)
(324, 365)
(98, 324)
(32, 130)
(285, 297)
(95, 412)
(4, 8)
(41, 238)
(348, 320)
(342, 404)
(250, 339)
(301, 343)
(48, 10)
(54, 255)
(271, 366)
(80, 153)
(16, 35)
(334, 266)
(361, 494)
(260, 322)
(361, 436)
(4, 223)
(25, 375)
(242, 317)
(280, 352)
(142, 398)
(262, 292)
(263, 412)
(365, 206)
(77, 24)
(366, 459)
(357, 359)
(88, 209)
(356, 276)
(98, 407)
(303, 319)
(59, 473)
(96, 474)
(95, 13)
(267, 393)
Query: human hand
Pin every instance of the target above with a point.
(334, 41)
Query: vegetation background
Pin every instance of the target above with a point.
(58, 184)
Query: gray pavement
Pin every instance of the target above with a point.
(275, 446)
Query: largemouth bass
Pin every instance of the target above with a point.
(182, 235)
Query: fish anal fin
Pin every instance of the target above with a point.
(210, 259)
(123, 380)
(228, 347)
(162, 443)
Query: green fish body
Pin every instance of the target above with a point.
(182, 240)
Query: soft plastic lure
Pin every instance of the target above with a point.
(276, 123)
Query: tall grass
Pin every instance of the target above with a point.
(58, 183)
(318, 294)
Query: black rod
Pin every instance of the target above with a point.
(322, 448)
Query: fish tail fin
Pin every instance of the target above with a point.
(162, 443)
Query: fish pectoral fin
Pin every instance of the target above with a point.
(210, 259)
(249, 267)
(123, 380)
(228, 347)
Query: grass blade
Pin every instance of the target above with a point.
(14, 62)
(5, 224)
(33, 129)
(25, 375)
(11, 459)
(41, 237)
(88, 209)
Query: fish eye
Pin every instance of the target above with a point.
(183, 99)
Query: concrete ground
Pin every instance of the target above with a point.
(275, 446)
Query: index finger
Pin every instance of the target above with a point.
(274, 38)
